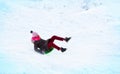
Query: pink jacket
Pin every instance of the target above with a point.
(35, 37)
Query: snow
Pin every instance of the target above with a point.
(93, 49)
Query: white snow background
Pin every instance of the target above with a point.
(94, 26)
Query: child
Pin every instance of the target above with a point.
(41, 45)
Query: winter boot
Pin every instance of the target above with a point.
(63, 49)
(67, 39)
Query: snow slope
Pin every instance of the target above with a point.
(93, 25)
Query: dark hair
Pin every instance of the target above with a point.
(31, 31)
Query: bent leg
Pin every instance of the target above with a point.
(56, 38)
(51, 44)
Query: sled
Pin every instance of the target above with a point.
(48, 51)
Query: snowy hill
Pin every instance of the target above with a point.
(93, 26)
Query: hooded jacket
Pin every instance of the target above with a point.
(39, 42)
